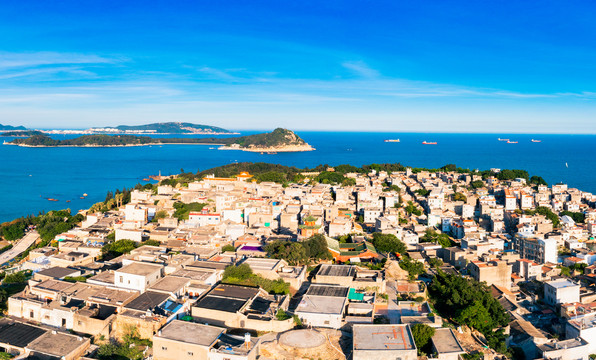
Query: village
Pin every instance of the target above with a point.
(336, 265)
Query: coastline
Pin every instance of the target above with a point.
(293, 148)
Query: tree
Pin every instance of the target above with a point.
(228, 248)
(412, 209)
(388, 243)
(422, 334)
(118, 248)
(413, 267)
(477, 184)
(459, 197)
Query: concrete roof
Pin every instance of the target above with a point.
(142, 269)
(170, 284)
(561, 283)
(57, 344)
(383, 337)
(445, 342)
(189, 332)
(199, 275)
(321, 305)
(261, 263)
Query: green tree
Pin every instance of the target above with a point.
(228, 248)
(388, 243)
(118, 248)
(422, 334)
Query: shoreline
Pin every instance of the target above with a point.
(220, 147)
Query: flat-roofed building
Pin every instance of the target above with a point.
(446, 345)
(323, 306)
(186, 340)
(137, 276)
(561, 291)
(372, 342)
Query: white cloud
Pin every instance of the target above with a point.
(33, 59)
(361, 69)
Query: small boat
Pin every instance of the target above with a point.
(52, 199)
(67, 200)
(391, 140)
(429, 143)
(85, 194)
(82, 197)
(536, 140)
(211, 148)
(511, 142)
(566, 165)
(502, 139)
(146, 179)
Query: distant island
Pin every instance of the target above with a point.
(21, 133)
(279, 140)
(10, 127)
(164, 128)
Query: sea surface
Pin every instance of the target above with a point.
(28, 176)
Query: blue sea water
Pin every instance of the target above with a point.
(28, 176)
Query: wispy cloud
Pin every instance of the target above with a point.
(360, 68)
(33, 59)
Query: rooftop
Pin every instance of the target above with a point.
(337, 270)
(320, 304)
(327, 290)
(445, 342)
(141, 269)
(189, 332)
(383, 337)
(562, 283)
(170, 284)
(57, 344)
(18, 334)
(57, 272)
(147, 301)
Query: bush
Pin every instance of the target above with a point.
(228, 248)
(118, 248)
(388, 243)
(243, 275)
(422, 334)
(282, 315)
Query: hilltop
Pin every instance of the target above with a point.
(170, 128)
(10, 127)
(20, 133)
(281, 140)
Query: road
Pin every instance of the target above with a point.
(392, 309)
(19, 247)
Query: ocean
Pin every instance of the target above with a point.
(28, 176)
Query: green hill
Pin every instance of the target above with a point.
(10, 127)
(174, 128)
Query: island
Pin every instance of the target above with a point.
(279, 140)
(165, 128)
(21, 133)
(11, 128)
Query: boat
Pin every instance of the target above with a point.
(536, 140)
(511, 142)
(146, 179)
(429, 143)
(391, 140)
(82, 197)
(52, 199)
(502, 139)
(85, 194)
(67, 200)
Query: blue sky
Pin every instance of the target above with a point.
(430, 66)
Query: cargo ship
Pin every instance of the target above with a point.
(391, 140)
(429, 143)
(511, 142)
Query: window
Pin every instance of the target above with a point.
(121, 279)
(31, 314)
(326, 322)
(64, 322)
(164, 348)
(190, 353)
(80, 322)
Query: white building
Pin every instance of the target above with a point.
(137, 276)
(561, 291)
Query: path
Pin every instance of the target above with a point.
(19, 247)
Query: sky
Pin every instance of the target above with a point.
(401, 66)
